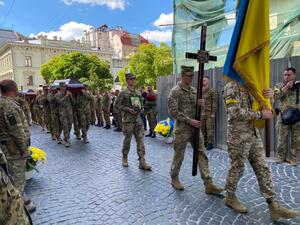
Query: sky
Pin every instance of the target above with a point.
(69, 18)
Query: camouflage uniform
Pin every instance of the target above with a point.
(244, 141)
(208, 122)
(106, 108)
(12, 210)
(15, 138)
(182, 107)
(151, 113)
(99, 109)
(132, 124)
(65, 108)
(24, 106)
(117, 113)
(285, 101)
(47, 111)
(34, 110)
(93, 111)
(56, 126)
(40, 114)
(83, 104)
(76, 118)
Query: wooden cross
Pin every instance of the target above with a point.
(202, 56)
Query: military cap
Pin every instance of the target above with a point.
(189, 70)
(129, 76)
(62, 84)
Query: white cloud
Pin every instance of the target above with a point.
(113, 4)
(1, 3)
(158, 35)
(68, 31)
(164, 19)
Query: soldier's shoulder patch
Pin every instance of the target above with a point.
(11, 119)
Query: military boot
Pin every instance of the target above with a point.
(125, 161)
(59, 141)
(293, 162)
(26, 199)
(150, 134)
(211, 188)
(277, 211)
(143, 165)
(67, 144)
(31, 208)
(232, 201)
(177, 184)
(78, 137)
(85, 140)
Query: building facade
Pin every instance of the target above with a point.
(21, 60)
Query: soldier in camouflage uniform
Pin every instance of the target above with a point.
(151, 110)
(244, 143)
(209, 114)
(14, 134)
(106, 103)
(286, 97)
(117, 112)
(83, 103)
(93, 110)
(56, 126)
(182, 107)
(130, 104)
(99, 109)
(40, 109)
(47, 109)
(12, 210)
(65, 107)
(21, 99)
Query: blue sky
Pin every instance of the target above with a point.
(54, 16)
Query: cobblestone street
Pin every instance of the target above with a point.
(86, 184)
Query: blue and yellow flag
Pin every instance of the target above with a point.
(248, 59)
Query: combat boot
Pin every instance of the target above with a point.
(143, 165)
(277, 211)
(150, 134)
(125, 161)
(85, 140)
(211, 188)
(59, 141)
(26, 199)
(78, 137)
(31, 208)
(67, 144)
(177, 184)
(293, 162)
(232, 201)
(153, 135)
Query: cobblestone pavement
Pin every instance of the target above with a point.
(86, 184)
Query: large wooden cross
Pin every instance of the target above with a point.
(202, 56)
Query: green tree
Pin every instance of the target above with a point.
(148, 63)
(89, 69)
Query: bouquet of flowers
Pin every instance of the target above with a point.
(36, 156)
(165, 128)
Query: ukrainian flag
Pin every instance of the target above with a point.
(248, 59)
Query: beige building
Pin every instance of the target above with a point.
(21, 60)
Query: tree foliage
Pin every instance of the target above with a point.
(148, 63)
(88, 69)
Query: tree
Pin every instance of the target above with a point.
(148, 63)
(89, 69)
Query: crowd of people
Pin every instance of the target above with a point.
(58, 109)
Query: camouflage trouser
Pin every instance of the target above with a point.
(76, 122)
(93, 116)
(107, 117)
(118, 119)
(84, 122)
(99, 113)
(17, 169)
(66, 121)
(137, 130)
(181, 139)
(11, 203)
(283, 135)
(28, 117)
(208, 130)
(40, 117)
(33, 114)
(151, 117)
(48, 123)
(56, 125)
(248, 148)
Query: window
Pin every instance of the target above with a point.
(28, 61)
(29, 80)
